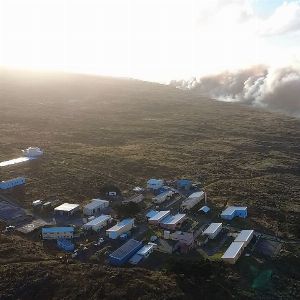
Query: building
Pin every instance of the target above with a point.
(233, 252)
(192, 200)
(54, 233)
(234, 211)
(212, 230)
(120, 228)
(135, 199)
(184, 184)
(158, 217)
(245, 236)
(66, 209)
(11, 183)
(160, 198)
(95, 206)
(32, 152)
(146, 250)
(97, 223)
(155, 184)
(125, 252)
(204, 209)
(65, 245)
(173, 222)
(37, 203)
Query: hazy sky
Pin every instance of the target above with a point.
(156, 40)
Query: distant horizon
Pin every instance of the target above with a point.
(156, 41)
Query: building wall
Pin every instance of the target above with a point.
(241, 213)
(115, 234)
(213, 235)
(227, 217)
(57, 235)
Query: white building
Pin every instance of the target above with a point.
(95, 206)
(122, 227)
(192, 200)
(212, 230)
(8, 184)
(54, 233)
(233, 252)
(37, 203)
(146, 250)
(163, 197)
(155, 184)
(32, 152)
(97, 223)
(66, 209)
(245, 236)
(158, 217)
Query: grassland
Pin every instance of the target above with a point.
(100, 130)
(97, 130)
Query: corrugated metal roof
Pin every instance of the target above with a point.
(98, 220)
(151, 213)
(121, 224)
(125, 249)
(57, 229)
(233, 250)
(212, 228)
(231, 209)
(205, 209)
(159, 215)
(172, 220)
(244, 236)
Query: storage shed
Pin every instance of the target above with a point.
(97, 223)
(158, 217)
(8, 184)
(66, 209)
(192, 200)
(212, 230)
(125, 252)
(173, 222)
(120, 228)
(95, 206)
(245, 236)
(233, 252)
(234, 211)
(154, 184)
(54, 233)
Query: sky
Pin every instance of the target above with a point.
(156, 40)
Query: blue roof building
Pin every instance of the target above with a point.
(125, 252)
(184, 184)
(234, 211)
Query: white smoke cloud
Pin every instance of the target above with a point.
(276, 89)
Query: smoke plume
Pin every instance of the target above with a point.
(270, 88)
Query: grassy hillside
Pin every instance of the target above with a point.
(96, 130)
